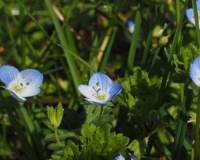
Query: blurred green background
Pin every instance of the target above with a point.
(69, 40)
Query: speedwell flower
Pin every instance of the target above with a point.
(132, 156)
(119, 157)
(190, 13)
(100, 89)
(195, 71)
(21, 84)
(130, 25)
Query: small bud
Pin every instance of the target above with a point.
(55, 115)
(15, 12)
(157, 31)
(164, 40)
(59, 114)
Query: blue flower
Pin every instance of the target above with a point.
(101, 89)
(130, 25)
(195, 71)
(190, 13)
(132, 156)
(119, 157)
(21, 84)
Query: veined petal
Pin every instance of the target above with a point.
(24, 87)
(115, 89)
(8, 73)
(195, 71)
(100, 79)
(190, 15)
(32, 77)
(86, 91)
(26, 84)
(30, 91)
(16, 96)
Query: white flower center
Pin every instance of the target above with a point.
(18, 86)
(98, 93)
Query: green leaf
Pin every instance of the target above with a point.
(51, 115)
(134, 41)
(101, 142)
(55, 115)
(137, 147)
(59, 114)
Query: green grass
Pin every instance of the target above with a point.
(157, 114)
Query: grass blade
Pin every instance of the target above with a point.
(134, 41)
(108, 50)
(196, 17)
(103, 47)
(146, 50)
(60, 32)
(182, 126)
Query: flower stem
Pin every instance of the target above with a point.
(56, 135)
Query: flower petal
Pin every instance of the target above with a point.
(16, 96)
(102, 80)
(30, 91)
(198, 4)
(195, 71)
(130, 25)
(29, 82)
(32, 77)
(86, 91)
(190, 15)
(119, 157)
(115, 89)
(132, 156)
(96, 101)
(8, 73)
